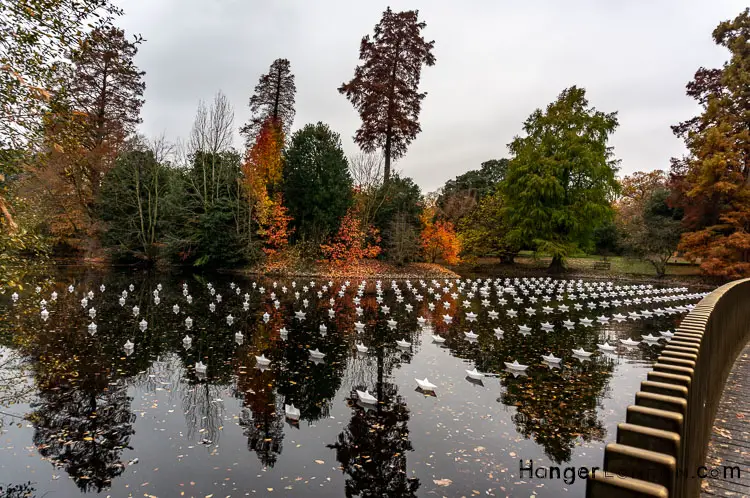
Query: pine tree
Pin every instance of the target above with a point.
(273, 99)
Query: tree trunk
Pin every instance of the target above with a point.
(12, 226)
(387, 168)
(557, 265)
(389, 117)
(275, 113)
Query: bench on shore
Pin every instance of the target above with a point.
(602, 265)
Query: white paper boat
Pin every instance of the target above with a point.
(551, 358)
(262, 361)
(474, 374)
(582, 353)
(516, 366)
(438, 339)
(403, 344)
(470, 335)
(366, 398)
(291, 412)
(629, 342)
(361, 348)
(425, 385)
(317, 354)
(606, 347)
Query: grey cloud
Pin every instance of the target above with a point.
(496, 63)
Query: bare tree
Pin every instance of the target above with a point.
(212, 128)
(366, 169)
(164, 150)
(210, 137)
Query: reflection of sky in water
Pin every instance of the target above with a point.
(145, 423)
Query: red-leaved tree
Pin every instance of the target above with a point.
(352, 242)
(385, 87)
(712, 184)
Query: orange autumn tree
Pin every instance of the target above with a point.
(353, 241)
(439, 239)
(276, 230)
(712, 183)
(262, 172)
(63, 176)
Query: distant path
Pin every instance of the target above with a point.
(730, 441)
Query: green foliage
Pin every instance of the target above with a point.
(460, 196)
(402, 240)
(399, 199)
(561, 178)
(484, 232)
(607, 239)
(35, 38)
(654, 233)
(478, 183)
(209, 212)
(133, 204)
(23, 247)
(217, 241)
(317, 185)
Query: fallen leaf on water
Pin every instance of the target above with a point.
(442, 482)
(320, 462)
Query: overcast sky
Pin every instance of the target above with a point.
(497, 61)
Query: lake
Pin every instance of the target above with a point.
(83, 413)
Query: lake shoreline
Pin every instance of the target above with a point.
(370, 269)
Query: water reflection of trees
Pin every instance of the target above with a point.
(372, 448)
(84, 432)
(82, 379)
(81, 415)
(23, 490)
(262, 416)
(556, 407)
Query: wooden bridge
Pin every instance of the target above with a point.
(730, 442)
(688, 432)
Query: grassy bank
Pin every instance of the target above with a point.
(583, 266)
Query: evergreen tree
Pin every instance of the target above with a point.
(561, 180)
(317, 186)
(385, 87)
(133, 204)
(273, 100)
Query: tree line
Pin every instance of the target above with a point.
(75, 176)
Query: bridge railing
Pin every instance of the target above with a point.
(661, 446)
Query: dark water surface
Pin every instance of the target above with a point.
(81, 414)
